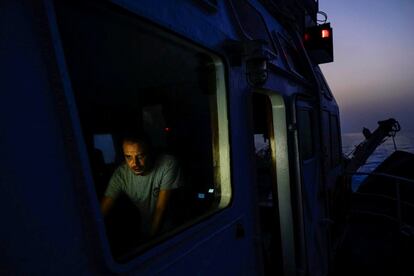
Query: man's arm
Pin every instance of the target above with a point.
(162, 202)
(106, 204)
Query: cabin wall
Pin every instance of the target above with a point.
(49, 205)
(40, 208)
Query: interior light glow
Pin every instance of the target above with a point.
(210, 191)
(201, 196)
(325, 34)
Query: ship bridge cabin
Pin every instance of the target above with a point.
(225, 87)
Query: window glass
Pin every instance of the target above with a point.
(335, 143)
(306, 143)
(327, 139)
(104, 144)
(131, 79)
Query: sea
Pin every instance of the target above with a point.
(403, 141)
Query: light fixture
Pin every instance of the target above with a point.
(318, 41)
(257, 57)
(325, 33)
(256, 70)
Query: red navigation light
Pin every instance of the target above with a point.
(318, 42)
(325, 33)
(167, 129)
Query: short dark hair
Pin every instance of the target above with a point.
(139, 138)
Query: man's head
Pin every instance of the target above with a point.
(137, 155)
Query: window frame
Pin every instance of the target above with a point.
(311, 113)
(221, 148)
(336, 149)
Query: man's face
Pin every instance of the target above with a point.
(135, 157)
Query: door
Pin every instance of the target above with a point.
(313, 192)
(276, 234)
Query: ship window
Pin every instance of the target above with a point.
(327, 139)
(104, 144)
(335, 141)
(306, 143)
(129, 76)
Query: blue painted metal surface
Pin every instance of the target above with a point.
(51, 223)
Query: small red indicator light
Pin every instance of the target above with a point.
(325, 34)
(307, 37)
(167, 129)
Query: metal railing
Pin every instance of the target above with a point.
(389, 205)
(382, 223)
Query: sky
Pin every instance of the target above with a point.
(372, 76)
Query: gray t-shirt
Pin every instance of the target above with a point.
(143, 190)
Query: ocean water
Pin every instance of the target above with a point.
(403, 140)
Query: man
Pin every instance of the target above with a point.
(146, 180)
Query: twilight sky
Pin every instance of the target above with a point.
(372, 76)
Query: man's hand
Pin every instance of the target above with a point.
(106, 204)
(161, 205)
